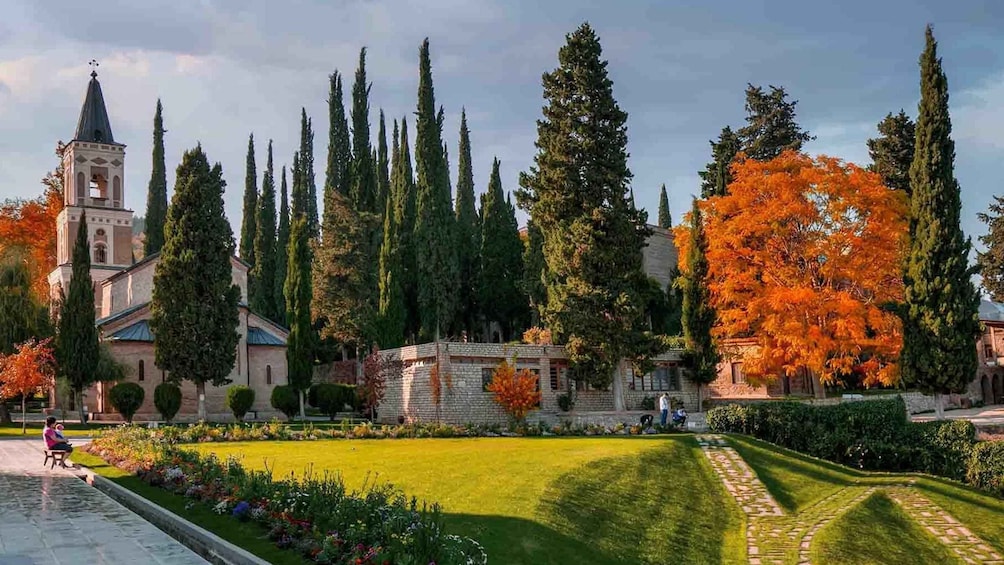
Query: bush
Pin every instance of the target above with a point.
(285, 400)
(648, 403)
(986, 467)
(240, 399)
(946, 447)
(514, 391)
(330, 398)
(167, 400)
(126, 398)
(565, 402)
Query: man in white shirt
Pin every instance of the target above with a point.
(663, 408)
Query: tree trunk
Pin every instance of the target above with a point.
(303, 412)
(78, 397)
(939, 411)
(618, 388)
(200, 390)
(24, 414)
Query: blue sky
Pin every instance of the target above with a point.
(225, 69)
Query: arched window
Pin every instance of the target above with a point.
(142, 372)
(116, 192)
(81, 188)
(268, 374)
(100, 253)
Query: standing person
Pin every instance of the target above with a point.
(663, 408)
(53, 442)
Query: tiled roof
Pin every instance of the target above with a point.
(258, 336)
(121, 314)
(140, 331)
(93, 124)
(991, 311)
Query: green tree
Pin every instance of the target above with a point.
(698, 316)
(337, 174)
(468, 236)
(303, 195)
(22, 316)
(770, 124)
(392, 310)
(300, 343)
(364, 182)
(534, 271)
(665, 216)
(501, 254)
(941, 312)
(281, 254)
(263, 273)
(593, 239)
(435, 251)
(403, 189)
(892, 152)
(991, 261)
(156, 193)
(77, 340)
(193, 312)
(382, 167)
(248, 228)
(715, 177)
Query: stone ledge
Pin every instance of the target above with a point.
(206, 544)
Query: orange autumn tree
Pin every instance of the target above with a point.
(25, 371)
(515, 391)
(804, 256)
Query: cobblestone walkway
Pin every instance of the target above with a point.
(739, 479)
(51, 517)
(941, 524)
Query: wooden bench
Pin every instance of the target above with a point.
(57, 456)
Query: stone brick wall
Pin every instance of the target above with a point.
(659, 256)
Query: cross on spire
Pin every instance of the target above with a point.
(94, 68)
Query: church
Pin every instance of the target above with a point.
(94, 184)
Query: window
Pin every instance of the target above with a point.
(100, 232)
(666, 377)
(141, 371)
(737, 374)
(100, 253)
(486, 377)
(116, 192)
(558, 373)
(81, 188)
(268, 374)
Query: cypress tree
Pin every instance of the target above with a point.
(382, 165)
(770, 124)
(892, 152)
(403, 188)
(991, 261)
(304, 192)
(435, 252)
(263, 274)
(281, 254)
(248, 228)
(665, 217)
(715, 177)
(77, 341)
(577, 193)
(392, 308)
(534, 269)
(337, 175)
(501, 254)
(193, 312)
(468, 236)
(299, 344)
(156, 193)
(941, 314)
(297, 199)
(697, 314)
(364, 182)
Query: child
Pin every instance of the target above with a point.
(59, 433)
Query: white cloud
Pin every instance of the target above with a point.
(979, 117)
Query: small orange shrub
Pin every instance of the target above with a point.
(515, 391)
(537, 336)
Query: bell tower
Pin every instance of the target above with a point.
(94, 183)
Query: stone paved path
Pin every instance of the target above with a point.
(51, 517)
(942, 525)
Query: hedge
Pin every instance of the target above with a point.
(167, 400)
(285, 400)
(240, 398)
(986, 467)
(126, 398)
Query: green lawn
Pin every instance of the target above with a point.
(35, 428)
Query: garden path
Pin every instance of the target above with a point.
(53, 517)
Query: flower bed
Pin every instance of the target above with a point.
(314, 516)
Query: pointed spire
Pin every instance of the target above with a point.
(93, 124)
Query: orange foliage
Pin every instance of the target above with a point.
(30, 225)
(515, 391)
(26, 370)
(803, 254)
(537, 336)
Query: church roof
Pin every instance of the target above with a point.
(258, 336)
(121, 314)
(140, 331)
(93, 124)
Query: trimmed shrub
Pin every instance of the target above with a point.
(565, 403)
(986, 467)
(312, 396)
(329, 398)
(126, 398)
(239, 400)
(285, 400)
(947, 446)
(167, 400)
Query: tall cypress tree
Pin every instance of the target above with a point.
(156, 192)
(941, 313)
(501, 254)
(337, 174)
(392, 312)
(665, 217)
(193, 312)
(593, 239)
(248, 228)
(468, 236)
(263, 274)
(300, 343)
(770, 124)
(991, 261)
(715, 177)
(892, 152)
(297, 199)
(382, 165)
(281, 254)
(534, 269)
(77, 342)
(698, 316)
(364, 182)
(304, 192)
(403, 188)
(435, 251)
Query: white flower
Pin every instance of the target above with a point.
(220, 508)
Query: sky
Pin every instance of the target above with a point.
(225, 69)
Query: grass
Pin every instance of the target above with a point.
(878, 532)
(35, 428)
(542, 500)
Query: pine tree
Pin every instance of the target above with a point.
(435, 251)
(262, 293)
(577, 193)
(500, 292)
(281, 254)
(248, 228)
(697, 314)
(156, 193)
(941, 313)
(991, 261)
(77, 342)
(382, 166)
(193, 312)
(364, 182)
(665, 217)
(403, 189)
(300, 343)
(337, 174)
(770, 124)
(534, 269)
(892, 153)
(715, 177)
(468, 236)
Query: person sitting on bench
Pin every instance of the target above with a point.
(53, 439)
